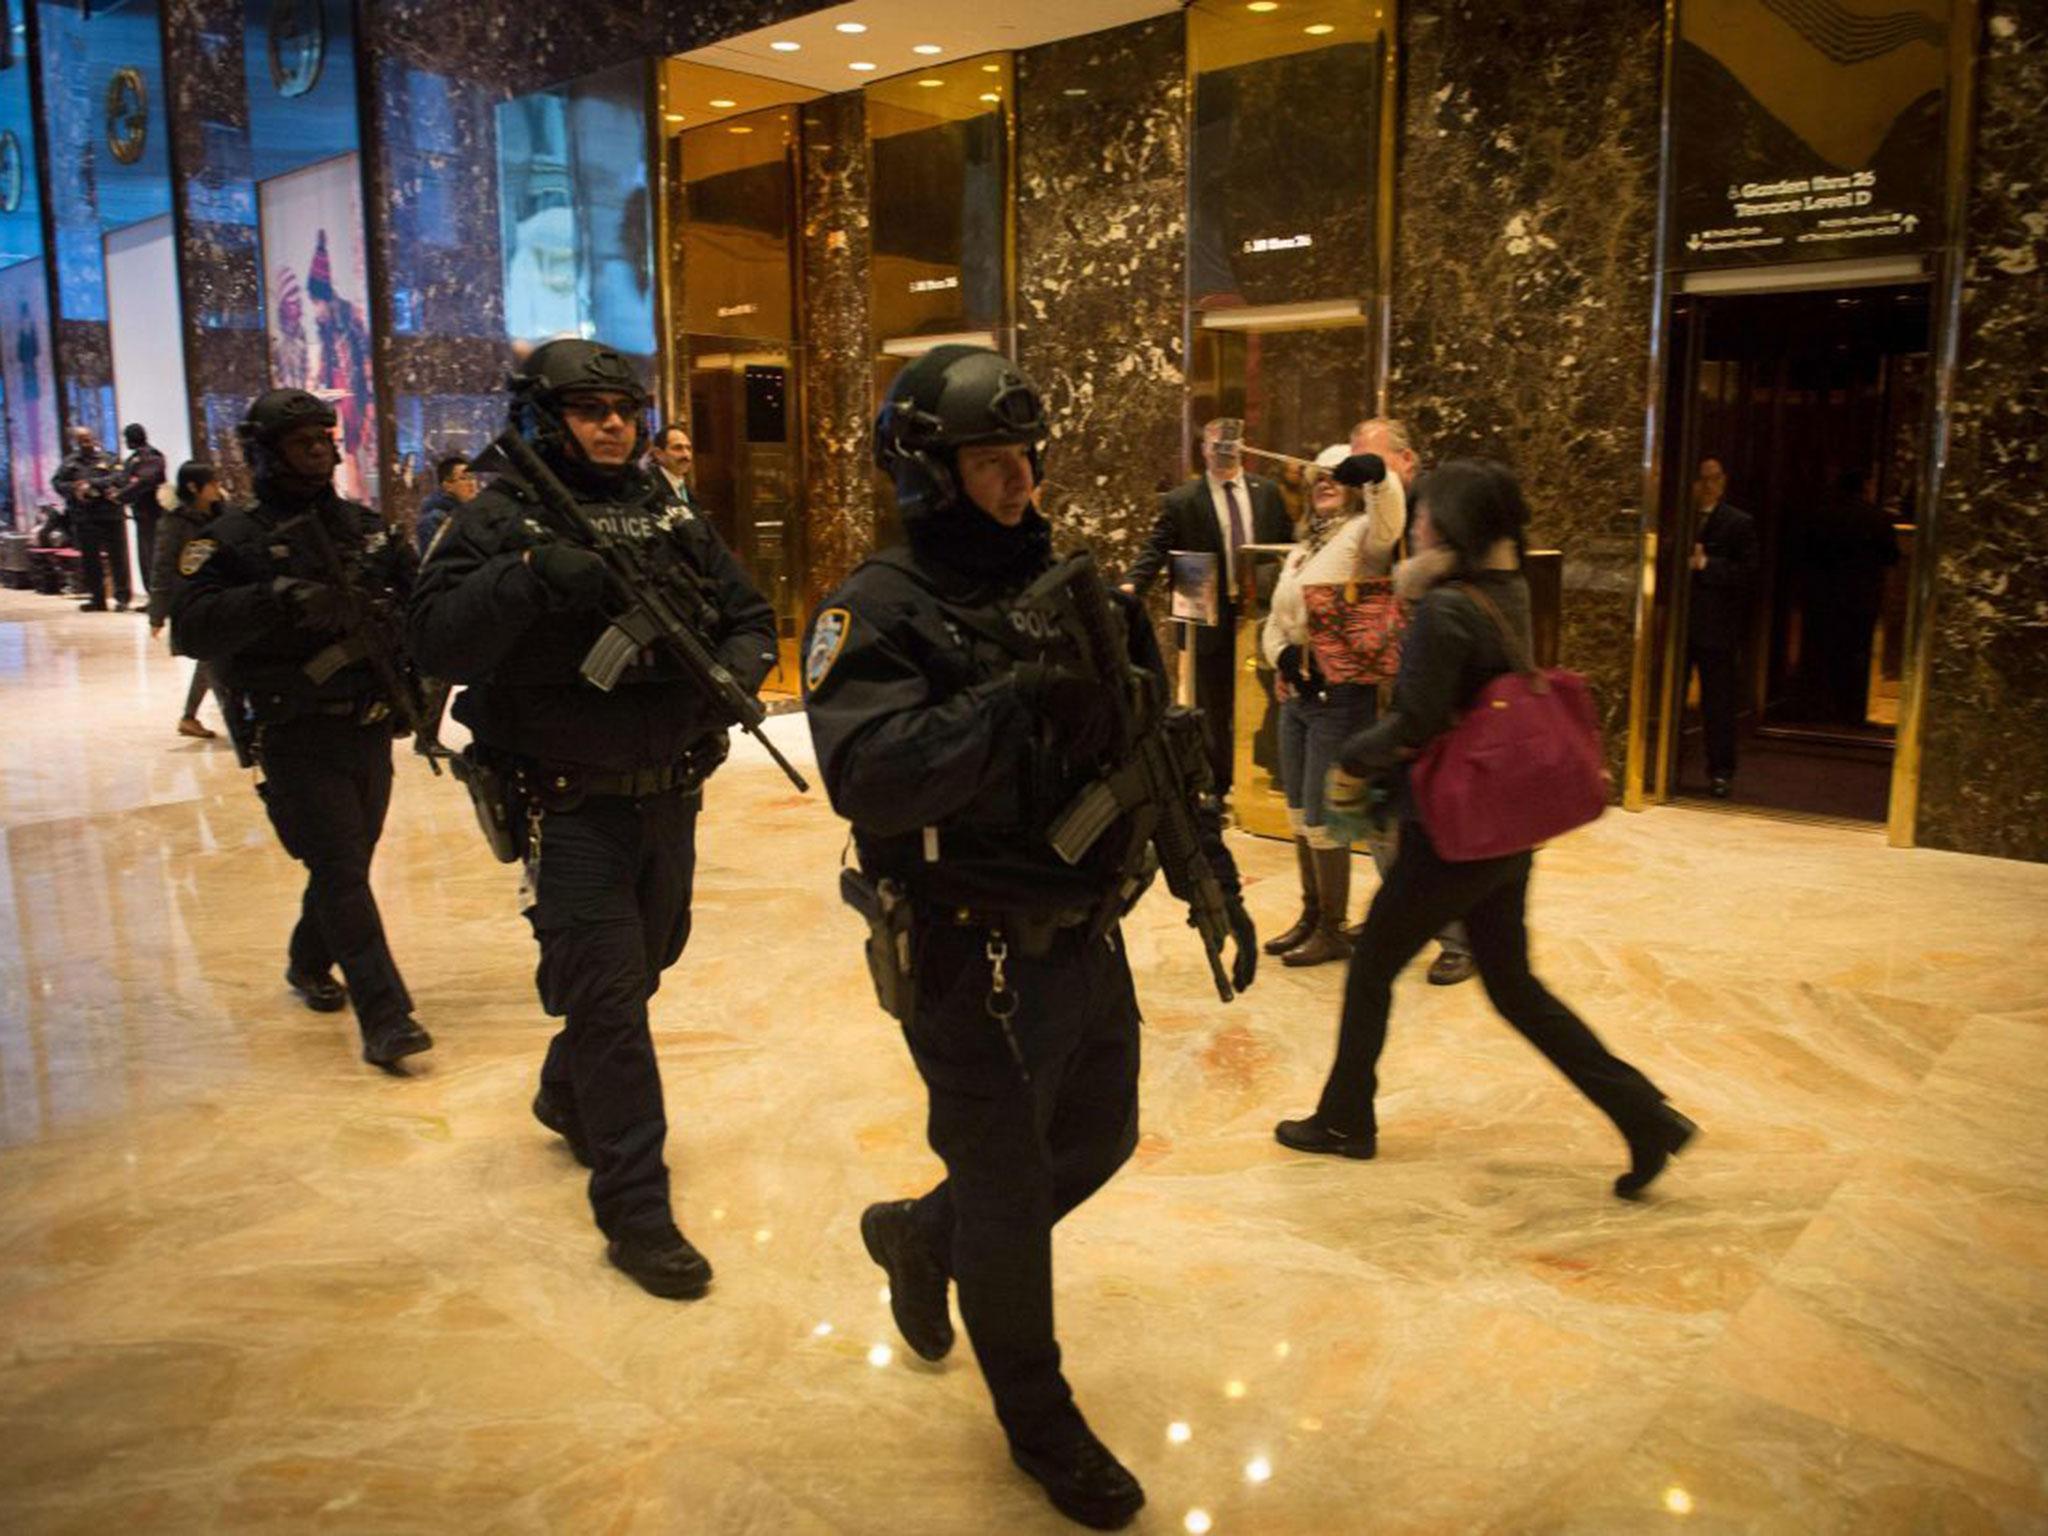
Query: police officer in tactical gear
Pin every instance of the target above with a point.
(951, 749)
(607, 785)
(258, 605)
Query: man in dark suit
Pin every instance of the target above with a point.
(1723, 565)
(1216, 514)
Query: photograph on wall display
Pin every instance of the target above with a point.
(31, 388)
(316, 304)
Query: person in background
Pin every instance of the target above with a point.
(198, 499)
(1471, 625)
(1349, 533)
(672, 455)
(456, 484)
(89, 482)
(142, 477)
(1394, 443)
(1723, 566)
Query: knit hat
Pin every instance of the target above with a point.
(320, 281)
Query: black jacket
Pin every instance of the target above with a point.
(1451, 650)
(918, 723)
(142, 476)
(89, 482)
(1187, 521)
(1718, 616)
(480, 616)
(178, 527)
(227, 612)
(433, 512)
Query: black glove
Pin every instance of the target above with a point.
(1289, 667)
(1360, 469)
(1078, 708)
(315, 605)
(574, 577)
(1245, 964)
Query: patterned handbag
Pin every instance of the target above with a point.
(1354, 628)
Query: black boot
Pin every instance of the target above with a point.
(389, 1041)
(1333, 892)
(1083, 1480)
(662, 1262)
(322, 993)
(1660, 1136)
(561, 1119)
(917, 1285)
(1311, 909)
(1311, 1135)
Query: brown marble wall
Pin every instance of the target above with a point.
(1984, 772)
(1526, 198)
(1101, 272)
(838, 342)
(219, 265)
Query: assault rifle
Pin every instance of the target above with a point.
(663, 605)
(372, 636)
(1160, 764)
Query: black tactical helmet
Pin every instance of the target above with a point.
(952, 398)
(567, 367)
(277, 411)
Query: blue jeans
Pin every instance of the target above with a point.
(1312, 732)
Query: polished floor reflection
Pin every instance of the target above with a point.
(248, 1284)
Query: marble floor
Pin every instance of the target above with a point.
(248, 1284)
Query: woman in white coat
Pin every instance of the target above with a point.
(1349, 534)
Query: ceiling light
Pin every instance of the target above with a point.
(930, 84)
(723, 102)
(990, 96)
(926, 48)
(1320, 29)
(991, 69)
(1075, 90)
(672, 117)
(852, 28)
(861, 65)
(785, 47)
(1262, 6)
(759, 1237)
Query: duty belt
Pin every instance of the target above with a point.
(686, 772)
(1031, 930)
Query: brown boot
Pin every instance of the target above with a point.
(1333, 888)
(1311, 909)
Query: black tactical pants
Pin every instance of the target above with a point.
(1023, 1141)
(327, 785)
(612, 881)
(103, 552)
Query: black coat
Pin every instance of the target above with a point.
(90, 484)
(178, 527)
(1452, 648)
(142, 476)
(918, 723)
(227, 611)
(1718, 616)
(480, 616)
(1187, 521)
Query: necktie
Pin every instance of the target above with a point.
(1236, 529)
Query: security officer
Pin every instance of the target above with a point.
(951, 753)
(257, 604)
(610, 783)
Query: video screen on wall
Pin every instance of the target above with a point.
(316, 304)
(31, 388)
(574, 213)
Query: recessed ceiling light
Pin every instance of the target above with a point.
(672, 117)
(926, 48)
(929, 84)
(721, 102)
(739, 128)
(861, 64)
(1320, 29)
(990, 96)
(991, 69)
(785, 47)
(1263, 5)
(851, 27)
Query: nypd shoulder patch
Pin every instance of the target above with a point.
(828, 639)
(195, 554)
